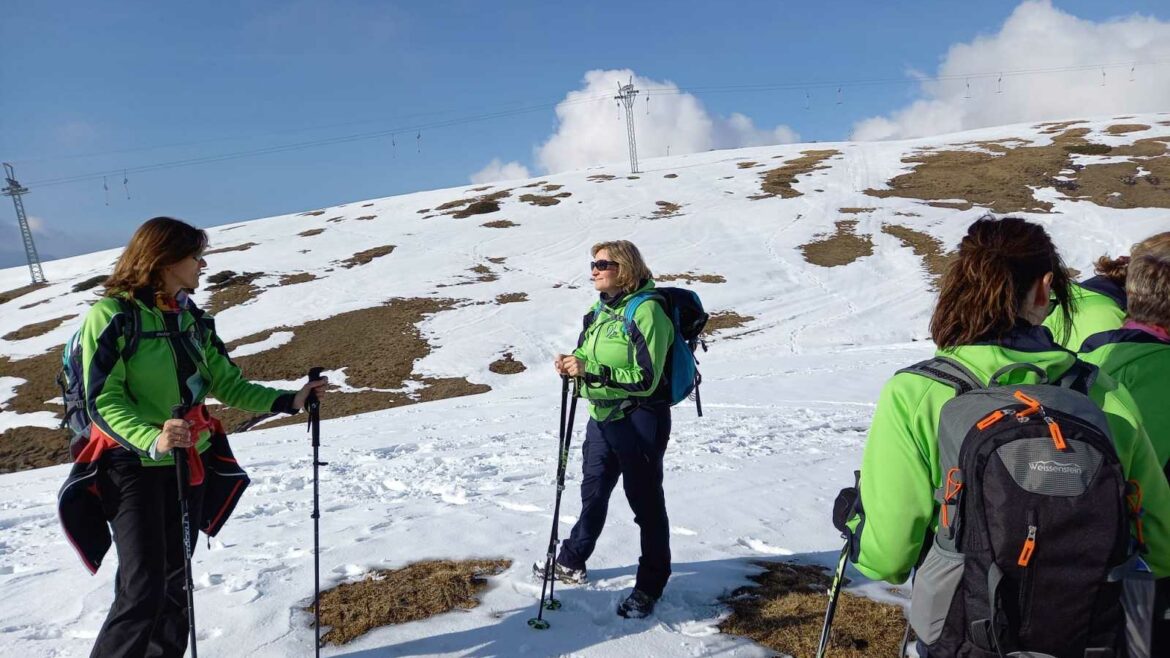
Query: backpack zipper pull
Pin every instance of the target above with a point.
(1057, 436)
(1029, 546)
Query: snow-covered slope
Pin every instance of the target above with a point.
(787, 398)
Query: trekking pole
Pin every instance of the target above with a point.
(313, 405)
(834, 593)
(549, 581)
(178, 412)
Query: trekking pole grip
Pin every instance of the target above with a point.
(314, 375)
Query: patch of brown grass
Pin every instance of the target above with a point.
(366, 218)
(416, 591)
(665, 209)
(512, 298)
(424, 211)
(545, 200)
(536, 184)
(1149, 147)
(1118, 185)
(229, 289)
(473, 206)
(500, 223)
(37, 328)
(785, 608)
(498, 260)
(1123, 128)
(312, 213)
(364, 257)
(926, 247)
(691, 278)
(779, 181)
(223, 250)
(746, 164)
(600, 178)
(507, 365)
(552, 188)
(345, 341)
(43, 301)
(293, 279)
(90, 283)
(9, 295)
(22, 448)
(311, 232)
(855, 211)
(721, 320)
(1003, 183)
(367, 205)
(841, 248)
(1053, 127)
(951, 205)
(336, 220)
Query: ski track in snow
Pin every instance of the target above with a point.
(787, 401)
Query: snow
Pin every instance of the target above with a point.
(787, 401)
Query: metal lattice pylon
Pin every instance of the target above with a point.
(626, 96)
(14, 190)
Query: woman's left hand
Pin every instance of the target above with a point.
(572, 366)
(302, 395)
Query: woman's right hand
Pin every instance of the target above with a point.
(176, 433)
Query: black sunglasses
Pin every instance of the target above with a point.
(603, 265)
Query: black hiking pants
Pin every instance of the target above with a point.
(149, 614)
(632, 449)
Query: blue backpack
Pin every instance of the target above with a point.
(70, 378)
(680, 378)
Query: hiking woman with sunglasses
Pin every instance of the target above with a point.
(618, 369)
(145, 349)
(999, 569)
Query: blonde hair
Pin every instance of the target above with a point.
(632, 269)
(1147, 285)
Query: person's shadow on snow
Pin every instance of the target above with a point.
(588, 615)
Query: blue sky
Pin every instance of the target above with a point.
(90, 87)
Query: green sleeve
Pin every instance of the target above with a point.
(651, 338)
(897, 482)
(1141, 466)
(227, 381)
(104, 378)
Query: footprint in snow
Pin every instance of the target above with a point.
(760, 546)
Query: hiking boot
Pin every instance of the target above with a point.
(561, 573)
(637, 605)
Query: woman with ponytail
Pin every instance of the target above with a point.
(1098, 304)
(991, 304)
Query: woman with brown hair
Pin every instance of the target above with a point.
(146, 351)
(968, 476)
(618, 367)
(1097, 304)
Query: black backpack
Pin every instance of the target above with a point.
(1034, 530)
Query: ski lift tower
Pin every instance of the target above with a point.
(626, 95)
(14, 190)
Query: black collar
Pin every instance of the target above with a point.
(1120, 336)
(1025, 337)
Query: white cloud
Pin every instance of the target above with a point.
(498, 171)
(591, 130)
(36, 225)
(1038, 36)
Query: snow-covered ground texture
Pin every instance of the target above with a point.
(787, 399)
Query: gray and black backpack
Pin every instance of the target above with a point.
(1033, 529)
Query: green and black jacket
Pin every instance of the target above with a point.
(179, 360)
(1098, 305)
(623, 366)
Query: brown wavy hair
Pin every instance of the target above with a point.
(632, 269)
(1147, 288)
(159, 242)
(984, 289)
(1114, 269)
